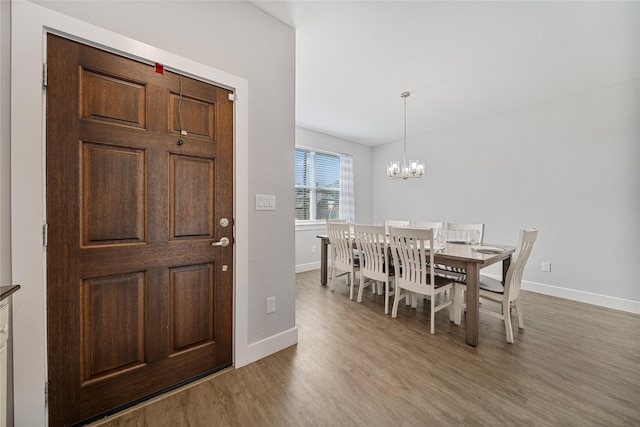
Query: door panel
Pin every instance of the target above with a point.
(112, 316)
(192, 196)
(197, 117)
(111, 99)
(137, 299)
(113, 194)
(192, 317)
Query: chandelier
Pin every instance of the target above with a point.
(413, 169)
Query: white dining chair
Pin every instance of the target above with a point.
(458, 232)
(414, 269)
(375, 266)
(437, 227)
(505, 295)
(429, 224)
(335, 220)
(343, 259)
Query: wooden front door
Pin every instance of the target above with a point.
(138, 299)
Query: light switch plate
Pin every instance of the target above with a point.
(265, 202)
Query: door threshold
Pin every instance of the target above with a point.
(152, 398)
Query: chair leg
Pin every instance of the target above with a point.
(519, 313)
(506, 313)
(433, 314)
(351, 280)
(458, 302)
(452, 311)
(396, 300)
(361, 288)
(386, 297)
(333, 276)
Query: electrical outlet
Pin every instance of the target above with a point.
(546, 266)
(271, 305)
(313, 249)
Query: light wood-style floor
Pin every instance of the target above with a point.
(573, 365)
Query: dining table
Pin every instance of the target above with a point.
(471, 258)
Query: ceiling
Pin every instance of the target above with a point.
(461, 61)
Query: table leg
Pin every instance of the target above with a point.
(505, 267)
(472, 301)
(323, 261)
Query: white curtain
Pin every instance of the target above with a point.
(347, 195)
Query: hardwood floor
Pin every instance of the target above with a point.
(573, 365)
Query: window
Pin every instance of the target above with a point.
(318, 185)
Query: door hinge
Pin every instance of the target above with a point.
(46, 393)
(44, 76)
(45, 235)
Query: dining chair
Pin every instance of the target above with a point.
(438, 227)
(506, 295)
(335, 220)
(375, 267)
(343, 258)
(414, 269)
(429, 224)
(458, 232)
(396, 223)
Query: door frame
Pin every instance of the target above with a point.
(30, 24)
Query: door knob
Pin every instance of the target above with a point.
(224, 242)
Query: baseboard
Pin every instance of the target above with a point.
(273, 344)
(301, 268)
(580, 296)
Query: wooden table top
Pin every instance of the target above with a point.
(465, 252)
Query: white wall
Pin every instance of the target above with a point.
(570, 168)
(307, 244)
(243, 43)
(5, 143)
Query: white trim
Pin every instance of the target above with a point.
(579, 296)
(309, 225)
(30, 22)
(317, 150)
(265, 347)
(301, 268)
(582, 296)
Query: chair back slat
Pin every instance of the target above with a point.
(513, 280)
